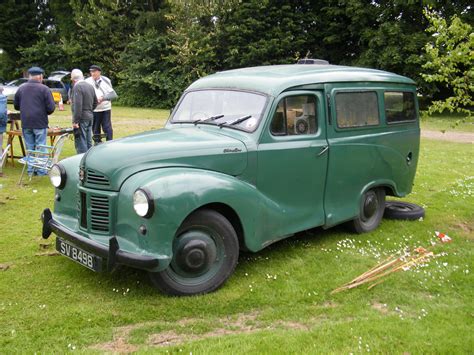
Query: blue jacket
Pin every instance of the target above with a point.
(3, 114)
(35, 102)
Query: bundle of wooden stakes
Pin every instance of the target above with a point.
(390, 265)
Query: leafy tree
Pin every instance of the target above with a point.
(449, 62)
(144, 80)
(158, 65)
(264, 32)
(20, 23)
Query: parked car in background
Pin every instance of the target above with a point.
(57, 86)
(11, 87)
(54, 85)
(64, 77)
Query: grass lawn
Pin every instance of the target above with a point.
(277, 301)
(447, 122)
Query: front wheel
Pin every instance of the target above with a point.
(372, 206)
(205, 253)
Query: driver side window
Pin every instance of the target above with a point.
(295, 115)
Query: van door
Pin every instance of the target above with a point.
(366, 151)
(292, 164)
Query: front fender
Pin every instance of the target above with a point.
(177, 192)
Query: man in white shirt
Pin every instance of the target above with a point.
(102, 113)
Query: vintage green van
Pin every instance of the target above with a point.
(247, 157)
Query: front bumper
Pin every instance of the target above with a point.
(111, 253)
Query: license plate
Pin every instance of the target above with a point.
(80, 256)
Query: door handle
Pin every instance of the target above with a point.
(324, 150)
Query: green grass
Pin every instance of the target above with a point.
(278, 300)
(447, 122)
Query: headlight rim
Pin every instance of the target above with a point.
(62, 174)
(149, 198)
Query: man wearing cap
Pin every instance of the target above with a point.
(35, 102)
(105, 94)
(83, 103)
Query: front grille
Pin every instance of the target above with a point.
(97, 178)
(95, 212)
(83, 210)
(99, 213)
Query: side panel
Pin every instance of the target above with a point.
(364, 157)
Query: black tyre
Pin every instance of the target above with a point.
(205, 253)
(403, 210)
(372, 206)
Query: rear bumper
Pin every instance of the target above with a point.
(111, 252)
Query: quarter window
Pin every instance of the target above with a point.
(357, 109)
(399, 106)
(295, 115)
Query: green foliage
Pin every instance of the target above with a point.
(144, 81)
(153, 49)
(396, 40)
(47, 52)
(262, 32)
(449, 62)
(19, 25)
(157, 67)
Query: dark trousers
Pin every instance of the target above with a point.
(102, 120)
(82, 136)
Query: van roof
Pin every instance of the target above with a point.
(274, 79)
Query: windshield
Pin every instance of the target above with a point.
(230, 108)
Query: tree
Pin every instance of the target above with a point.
(20, 24)
(265, 32)
(449, 62)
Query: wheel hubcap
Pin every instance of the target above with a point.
(195, 254)
(370, 206)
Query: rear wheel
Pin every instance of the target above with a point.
(372, 206)
(205, 253)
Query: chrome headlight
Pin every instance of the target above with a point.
(57, 176)
(143, 203)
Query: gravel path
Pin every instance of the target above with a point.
(459, 137)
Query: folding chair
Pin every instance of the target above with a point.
(4, 157)
(43, 159)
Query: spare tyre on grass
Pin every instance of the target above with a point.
(403, 210)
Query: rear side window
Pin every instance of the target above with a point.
(53, 84)
(295, 115)
(399, 106)
(357, 109)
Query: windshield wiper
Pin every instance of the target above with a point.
(237, 121)
(212, 118)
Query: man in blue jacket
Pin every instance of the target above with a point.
(35, 102)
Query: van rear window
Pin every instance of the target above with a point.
(399, 106)
(357, 109)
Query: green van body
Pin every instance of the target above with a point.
(267, 186)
